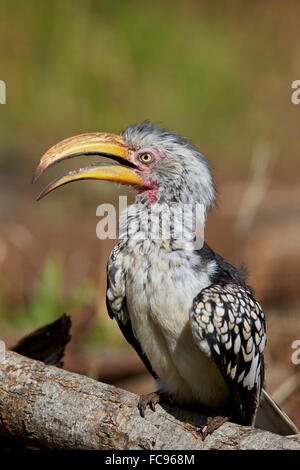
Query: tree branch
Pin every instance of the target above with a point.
(49, 408)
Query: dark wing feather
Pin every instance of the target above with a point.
(231, 323)
(116, 304)
(128, 334)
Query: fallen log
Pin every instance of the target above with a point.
(45, 407)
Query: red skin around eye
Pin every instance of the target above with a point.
(145, 170)
(144, 166)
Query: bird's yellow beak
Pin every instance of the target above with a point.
(94, 143)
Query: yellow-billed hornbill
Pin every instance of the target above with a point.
(188, 313)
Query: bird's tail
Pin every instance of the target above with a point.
(271, 418)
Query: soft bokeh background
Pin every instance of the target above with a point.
(219, 73)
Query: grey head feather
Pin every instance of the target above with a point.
(183, 174)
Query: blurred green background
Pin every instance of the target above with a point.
(219, 73)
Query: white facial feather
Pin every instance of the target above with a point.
(183, 173)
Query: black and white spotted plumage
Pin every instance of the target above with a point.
(187, 312)
(225, 321)
(228, 325)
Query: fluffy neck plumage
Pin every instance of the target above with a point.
(175, 226)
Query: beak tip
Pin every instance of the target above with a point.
(37, 173)
(40, 196)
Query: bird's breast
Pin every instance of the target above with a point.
(160, 287)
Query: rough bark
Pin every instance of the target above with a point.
(50, 408)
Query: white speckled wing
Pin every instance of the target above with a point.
(228, 325)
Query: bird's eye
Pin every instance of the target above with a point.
(145, 158)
